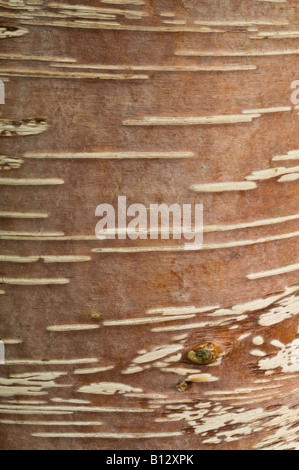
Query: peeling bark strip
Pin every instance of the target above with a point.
(292, 155)
(22, 215)
(10, 32)
(7, 163)
(30, 181)
(191, 121)
(62, 328)
(162, 68)
(109, 155)
(31, 235)
(221, 187)
(155, 344)
(22, 128)
(51, 423)
(274, 272)
(46, 259)
(246, 116)
(68, 75)
(84, 10)
(13, 3)
(194, 53)
(33, 385)
(22, 409)
(32, 282)
(190, 247)
(35, 57)
(99, 435)
(101, 25)
(276, 35)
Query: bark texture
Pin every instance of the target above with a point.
(163, 101)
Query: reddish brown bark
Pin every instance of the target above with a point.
(82, 83)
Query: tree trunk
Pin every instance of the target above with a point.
(160, 101)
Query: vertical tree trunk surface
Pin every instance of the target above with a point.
(161, 101)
